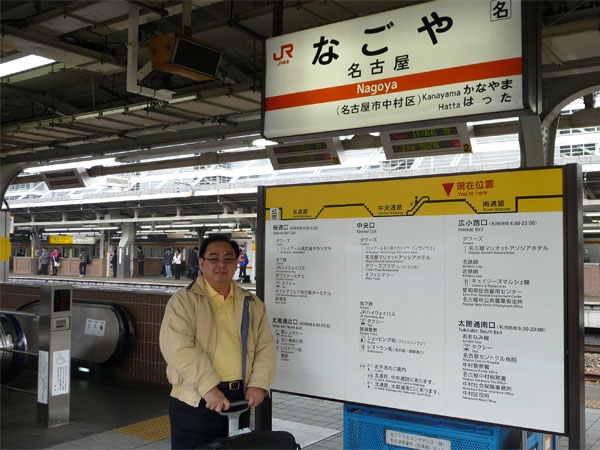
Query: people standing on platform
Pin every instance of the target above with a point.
(243, 263)
(177, 263)
(84, 259)
(168, 263)
(44, 261)
(140, 258)
(207, 361)
(114, 262)
(55, 256)
(193, 263)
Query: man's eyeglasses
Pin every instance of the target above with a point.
(227, 260)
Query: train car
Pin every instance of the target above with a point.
(154, 247)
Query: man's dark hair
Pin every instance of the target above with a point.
(218, 238)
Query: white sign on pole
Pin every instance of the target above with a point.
(42, 394)
(435, 60)
(61, 372)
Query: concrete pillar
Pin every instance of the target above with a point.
(531, 142)
(124, 257)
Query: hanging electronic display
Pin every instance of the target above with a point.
(428, 141)
(292, 155)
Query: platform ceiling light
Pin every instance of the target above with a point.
(263, 142)
(25, 63)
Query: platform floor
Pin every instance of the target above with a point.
(119, 414)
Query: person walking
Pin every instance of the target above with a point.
(207, 362)
(168, 263)
(243, 263)
(140, 258)
(114, 262)
(193, 264)
(44, 261)
(84, 259)
(55, 257)
(177, 263)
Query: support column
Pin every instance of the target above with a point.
(124, 257)
(549, 138)
(531, 142)
(4, 245)
(35, 245)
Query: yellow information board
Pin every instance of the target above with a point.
(478, 193)
(60, 240)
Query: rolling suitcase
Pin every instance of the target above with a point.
(247, 439)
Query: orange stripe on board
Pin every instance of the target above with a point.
(481, 71)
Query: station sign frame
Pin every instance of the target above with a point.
(422, 65)
(549, 194)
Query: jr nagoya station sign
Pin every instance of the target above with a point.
(435, 60)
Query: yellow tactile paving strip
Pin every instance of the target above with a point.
(152, 429)
(592, 404)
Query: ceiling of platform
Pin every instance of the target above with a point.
(79, 107)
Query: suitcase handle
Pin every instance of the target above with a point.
(239, 407)
(236, 409)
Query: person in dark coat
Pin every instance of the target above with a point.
(140, 258)
(193, 264)
(114, 262)
(44, 261)
(168, 262)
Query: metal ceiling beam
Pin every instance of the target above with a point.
(170, 219)
(115, 146)
(194, 94)
(163, 12)
(169, 113)
(63, 8)
(46, 44)
(247, 31)
(50, 101)
(34, 73)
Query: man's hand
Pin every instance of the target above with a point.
(255, 396)
(216, 400)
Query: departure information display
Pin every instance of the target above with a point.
(430, 141)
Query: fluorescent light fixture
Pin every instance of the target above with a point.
(590, 167)
(262, 142)
(84, 164)
(597, 230)
(83, 369)
(22, 64)
(592, 214)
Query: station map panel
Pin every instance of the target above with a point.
(441, 295)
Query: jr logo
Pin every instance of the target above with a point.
(287, 49)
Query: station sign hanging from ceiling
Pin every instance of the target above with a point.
(433, 61)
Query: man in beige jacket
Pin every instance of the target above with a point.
(201, 340)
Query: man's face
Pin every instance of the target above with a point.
(218, 263)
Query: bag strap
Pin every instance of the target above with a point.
(245, 326)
